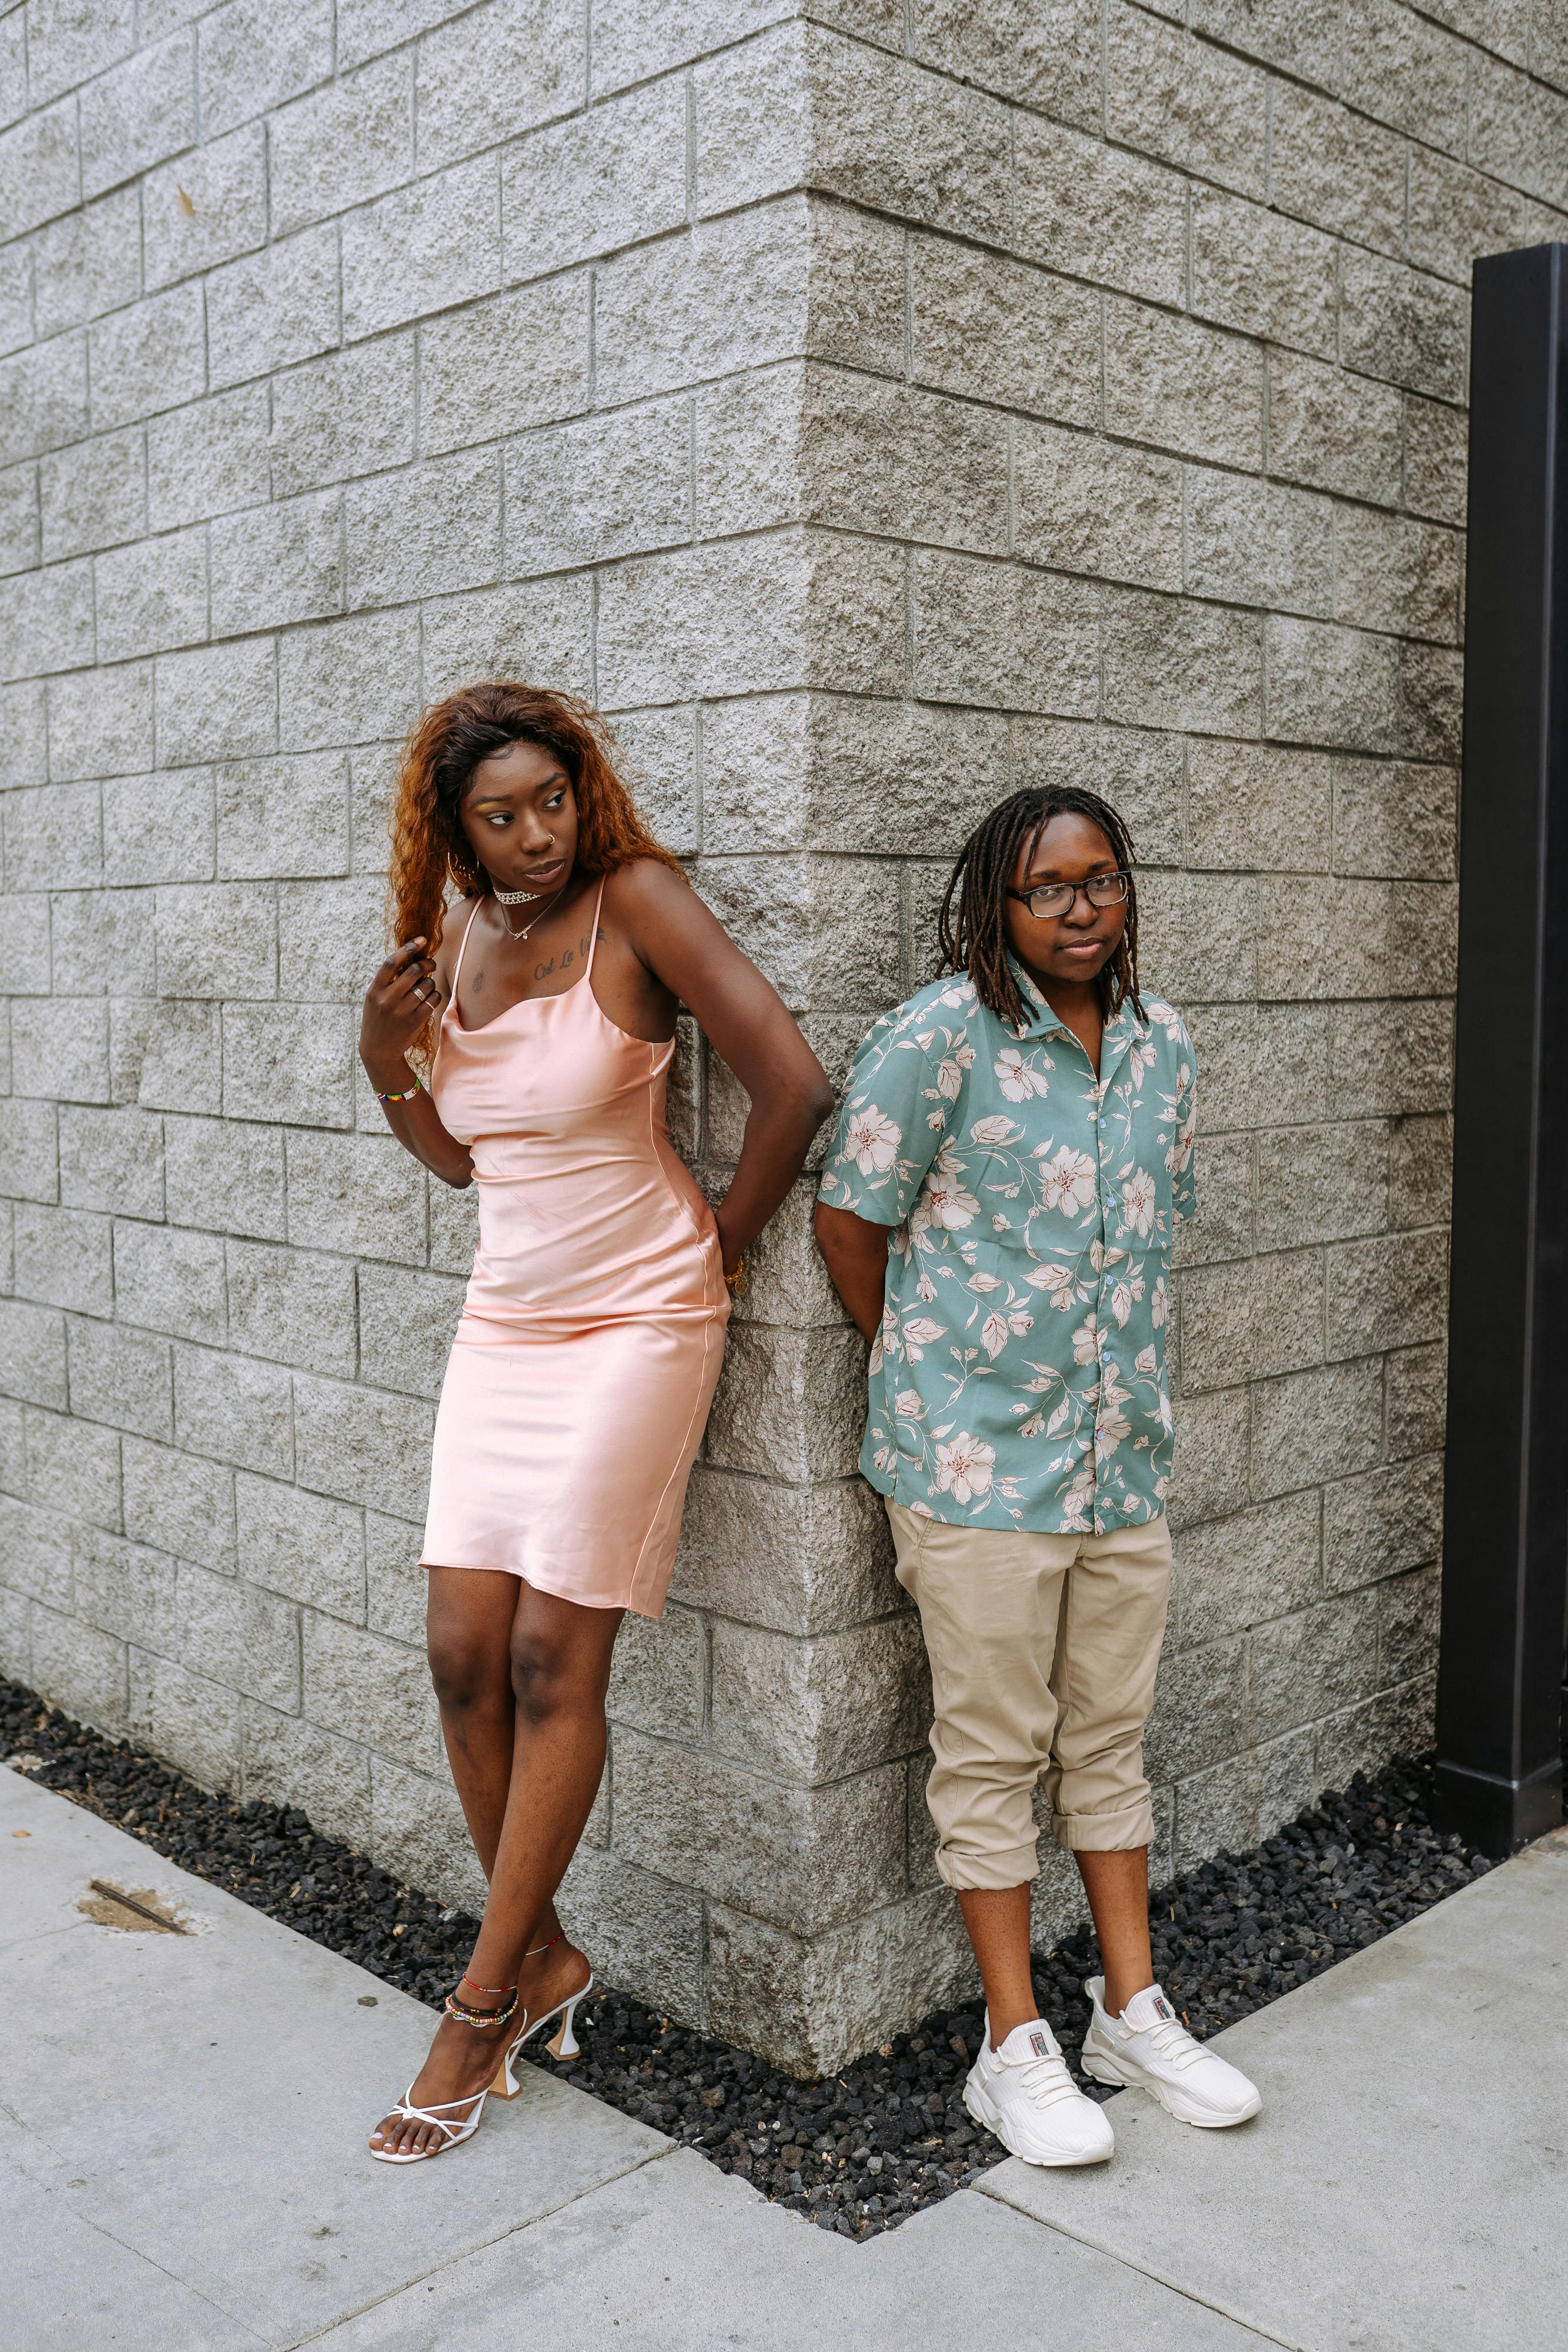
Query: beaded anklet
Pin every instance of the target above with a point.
(453, 2007)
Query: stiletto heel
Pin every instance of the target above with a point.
(565, 2043)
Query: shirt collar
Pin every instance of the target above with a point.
(1039, 1021)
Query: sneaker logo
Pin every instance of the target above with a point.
(1037, 2042)
(1162, 2007)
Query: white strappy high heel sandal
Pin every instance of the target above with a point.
(468, 2123)
(563, 2043)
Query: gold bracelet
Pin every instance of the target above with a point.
(736, 1284)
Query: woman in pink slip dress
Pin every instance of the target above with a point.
(525, 1048)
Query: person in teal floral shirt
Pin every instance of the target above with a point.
(997, 1211)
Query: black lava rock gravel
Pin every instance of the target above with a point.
(859, 2151)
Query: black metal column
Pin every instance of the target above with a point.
(1505, 1544)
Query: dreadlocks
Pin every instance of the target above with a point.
(975, 940)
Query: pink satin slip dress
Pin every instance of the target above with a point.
(592, 1330)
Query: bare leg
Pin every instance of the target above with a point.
(560, 1658)
(1117, 1885)
(469, 1616)
(998, 1922)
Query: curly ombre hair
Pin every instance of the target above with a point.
(430, 850)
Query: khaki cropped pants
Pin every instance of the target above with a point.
(1044, 1652)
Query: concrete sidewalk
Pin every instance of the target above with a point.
(182, 2166)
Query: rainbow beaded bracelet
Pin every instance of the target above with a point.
(417, 1088)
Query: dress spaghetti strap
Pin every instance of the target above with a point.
(463, 946)
(593, 934)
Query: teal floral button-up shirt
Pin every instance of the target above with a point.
(1018, 1378)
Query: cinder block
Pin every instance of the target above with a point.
(803, 1859)
(1396, 574)
(29, 1153)
(530, 56)
(278, 564)
(1333, 168)
(1095, 505)
(853, 923)
(296, 1306)
(894, 1964)
(370, 1690)
(300, 1545)
(1408, 73)
(1403, 326)
(224, 182)
(1230, 1807)
(1392, 818)
(1408, 1625)
(60, 1050)
(126, 1590)
(1258, 543)
(649, 1933)
(149, 357)
(271, 307)
(40, 1552)
(658, 766)
(1185, 101)
(1435, 459)
(166, 1055)
(284, 816)
(331, 938)
(234, 1410)
(1416, 1381)
(541, 629)
(1389, 1059)
(1332, 685)
(417, 1830)
(1100, 213)
(361, 1445)
(217, 940)
(1457, 213)
(102, 940)
(1004, 635)
(25, 944)
(1049, 58)
(251, 56)
(1383, 1523)
(1322, 1183)
(138, 112)
(23, 734)
(179, 1503)
(519, 359)
(216, 702)
(977, 316)
(87, 261)
(348, 140)
(606, 486)
(39, 168)
(406, 1321)
(152, 595)
(360, 1193)
(1171, 663)
(225, 1174)
(1226, 1215)
(1333, 431)
(1316, 1424)
(1251, 1319)
(92, 494)
(1211, 1439)
(789, 1405)
(1262, 273)
(1388, 1293)
(43, 398)
(1182, 385)
(602, 181)
(424, 247)
(818, 1709)
(117, 1375)
(1420, 1172)
(1199, 1716)
(396, 1586)
(284, 1761)
(52, 839)
(68, 44)
(79, 1669)
(658, 1680)
(289, 1062)
(350, 413)
(796, 609)
(1398, 1722)
(100, 724)
(1238, 1573)
(430, 529)
(19, 540)
(73, 1467)
(170, 1281)
(350, 682)
(733, 293)
(45, 620)
(1252, 806)
(183, 1716)
(1431, 702)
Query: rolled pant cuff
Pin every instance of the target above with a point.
(1119, 1833)
(970, 1874)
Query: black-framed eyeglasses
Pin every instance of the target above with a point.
(1048, 899)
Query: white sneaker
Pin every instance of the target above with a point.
(1147, 2048)
(1025, 2095)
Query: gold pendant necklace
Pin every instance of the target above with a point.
(504, 899)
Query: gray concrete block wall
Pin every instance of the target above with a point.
(875, 406)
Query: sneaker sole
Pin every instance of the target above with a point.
(984, 2110)
(1104, 2071)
